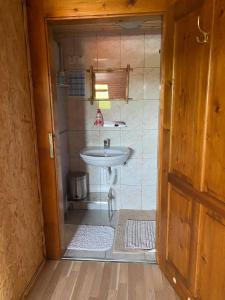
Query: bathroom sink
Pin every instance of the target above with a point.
(105, 157)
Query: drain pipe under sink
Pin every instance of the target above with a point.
(111, 177)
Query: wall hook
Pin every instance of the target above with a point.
(204, 39)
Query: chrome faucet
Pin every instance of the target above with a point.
(106, 143)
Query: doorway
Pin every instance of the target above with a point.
(129, 223)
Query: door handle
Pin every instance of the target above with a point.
(51, 145)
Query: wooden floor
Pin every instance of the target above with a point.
(98, 280)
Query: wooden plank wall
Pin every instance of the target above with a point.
(68, 8)
(21, 229)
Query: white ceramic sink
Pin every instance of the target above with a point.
(101, 157)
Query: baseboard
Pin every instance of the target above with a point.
(33, 280)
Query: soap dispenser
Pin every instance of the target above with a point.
(99, 118)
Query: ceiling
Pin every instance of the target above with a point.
(128, 25)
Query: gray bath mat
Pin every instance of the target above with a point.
(140, 234)
(93, 238)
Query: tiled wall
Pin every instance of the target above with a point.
(136, 184)
(60, 119)
(62, 142)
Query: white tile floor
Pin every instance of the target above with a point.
(100, 217)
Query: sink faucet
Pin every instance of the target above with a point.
(106, 143)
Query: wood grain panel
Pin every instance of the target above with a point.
(43, 113)
(179, 231)
(69, 8)
(202, 198)
(191, 61)
(21, 222)
(211, 262)
(195, 222)
(164, 139)
(215, 141)
(182, 237)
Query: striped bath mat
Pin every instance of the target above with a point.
(140, 234)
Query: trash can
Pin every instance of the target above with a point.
(78, 185)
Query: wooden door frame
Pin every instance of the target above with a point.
(43, 103)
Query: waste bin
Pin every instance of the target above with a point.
(78, 185)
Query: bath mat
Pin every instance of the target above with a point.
(93, 238)
(124, 216)
(140, 234)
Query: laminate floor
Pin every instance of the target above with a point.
(68, 280)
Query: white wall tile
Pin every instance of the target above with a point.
(112, 114)
(77, 54)
(149, 197)
(88, 87)
(75, 114)
(94, 188)
(62, 146)
(109, 47)
(130, 197)
(74, 163)
(114, 137)
(90, 116)
(132, 50)
(152, 50)
(87, 51)
(132, 114)
(56, 56)
(133, 140)
(81, 139)
(131, 173)
(150, 114)
(150, 143)
(60, 111)
(151, 83)
(136, 85)
(62, 153)
(68, 52)
(81, 115)
(149, 172)
(63, 159)
(136, 186)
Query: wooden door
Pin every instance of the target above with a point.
(214, 158)
(211, 259)
(190, 73)
(183, 218)
(184, 165)
(194, 164)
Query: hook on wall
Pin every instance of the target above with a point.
(204, 39)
